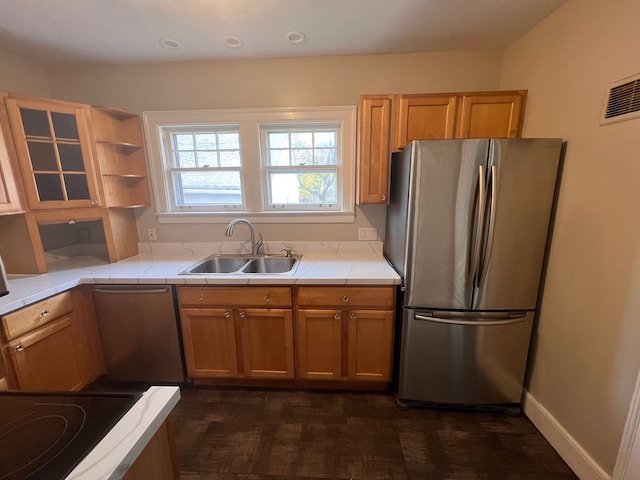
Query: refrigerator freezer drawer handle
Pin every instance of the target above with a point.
(477, 323)
(132, 291)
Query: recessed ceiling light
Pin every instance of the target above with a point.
(295, 37)
(233, 42)
(169, 43)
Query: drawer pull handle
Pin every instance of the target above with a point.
(241, 314)
(200, 296)
(345, 299)
(337, 316)
(44, 313)
(19, 348)
(227, 314)
(353, 316)
(267, 298)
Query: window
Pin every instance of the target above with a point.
(270, 165)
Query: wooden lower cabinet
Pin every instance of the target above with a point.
(231, 332)
(350, 338)
(53, 345)
(158, 460)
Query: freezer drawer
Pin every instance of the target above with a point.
(463, 358)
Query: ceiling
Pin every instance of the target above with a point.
(125, 31)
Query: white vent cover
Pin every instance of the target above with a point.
(621, 101)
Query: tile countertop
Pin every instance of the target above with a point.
(322, 263)
(119, 448)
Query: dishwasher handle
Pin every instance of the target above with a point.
(130, 291)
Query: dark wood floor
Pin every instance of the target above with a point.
(251, 434)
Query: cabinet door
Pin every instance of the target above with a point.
(266, 342)
(209, 340)
(498, 115)
(319, 344)
(53, 147)
(424, 117)
(46, 359)
(374, 149)
(370, 345)
(9, 199)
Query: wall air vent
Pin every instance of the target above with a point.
(622, 101)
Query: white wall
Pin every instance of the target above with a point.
(18, 75)
(273, 83)
(586, 355)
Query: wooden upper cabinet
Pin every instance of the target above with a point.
(53, 145)
(374, 160)
(9, 197)
(491, 115)
(121, 160)
(425, 117)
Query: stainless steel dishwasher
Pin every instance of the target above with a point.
(139, 333)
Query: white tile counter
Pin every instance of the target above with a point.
(322, 263)
(115, 453)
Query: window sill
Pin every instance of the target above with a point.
(257, 218)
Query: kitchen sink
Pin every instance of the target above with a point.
(244, 264)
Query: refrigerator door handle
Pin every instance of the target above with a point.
(496, 319)
(479, 216)
(490, 230)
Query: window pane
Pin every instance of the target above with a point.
(301, 139)
(278, 140)
(229, 141)
(325, 139)
(76, 185)
(325, 157)
(71, 157)
(183, 141)
(43, 156)
(279, 158)
(230, 159)
(35, 123)
(302, 188)
(206, 141)
(207, 188)
(302, 157)
(49, 187)
(185, 159)
(64, 125)
(207, 159)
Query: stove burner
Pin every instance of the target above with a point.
(45, 436)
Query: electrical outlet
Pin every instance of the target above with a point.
(368, 234)
(151, 232)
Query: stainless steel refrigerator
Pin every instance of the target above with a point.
(467, 229)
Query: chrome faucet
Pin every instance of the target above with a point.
(255, 246)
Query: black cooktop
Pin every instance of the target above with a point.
(45, 435)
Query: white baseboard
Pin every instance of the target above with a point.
(567, 447)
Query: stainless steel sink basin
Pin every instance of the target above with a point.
(244, 264)
(270, 265)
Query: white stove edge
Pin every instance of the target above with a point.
(115, 453)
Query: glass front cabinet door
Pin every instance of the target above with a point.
(53, 144)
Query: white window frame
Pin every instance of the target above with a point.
(249, 122)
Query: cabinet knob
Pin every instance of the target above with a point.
(200, 296)
(227, 314)
(337, 316)
(72, 222)
(19, 348)
(95, 202)
(267, 298)
(345, 299)
(383, 198)
(353, 316)
(241, 314)
(44, 313)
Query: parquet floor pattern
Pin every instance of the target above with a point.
(255, 434)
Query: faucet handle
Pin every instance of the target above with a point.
(258, 245)
(287, 252)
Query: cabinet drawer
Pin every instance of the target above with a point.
(33, 316)
(350, 297)
(267, 297)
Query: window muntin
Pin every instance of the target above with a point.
(301, 166)
(204, 170)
